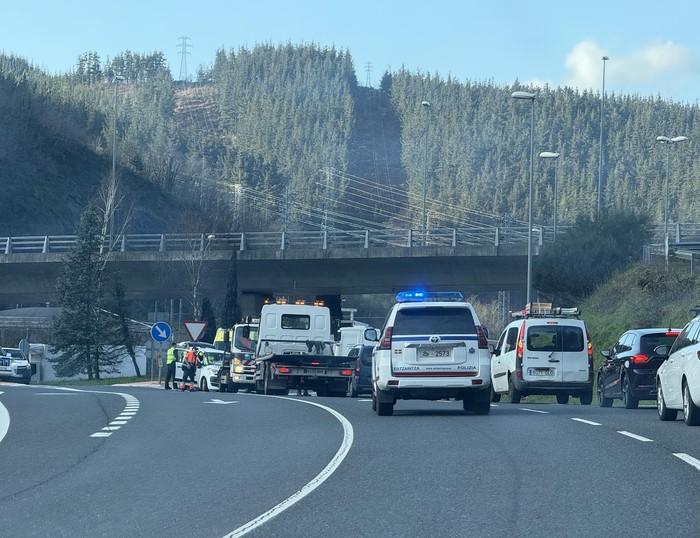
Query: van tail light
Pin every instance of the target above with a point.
(519, 352)
(483, 342)
(347, 372)
(385, 342)
(284, 370)
(639, 359)
(590, 348)
(357, 367)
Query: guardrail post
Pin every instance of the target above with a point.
(8, 245)
(283, 241)
(242, 246)
(123, 243)
(45, 248)
(161, 247)
(366, 239)
(410, 238)
(497, 239)
(454, 237)
(325, 239)
(678, 232)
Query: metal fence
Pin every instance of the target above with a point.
(319, 239)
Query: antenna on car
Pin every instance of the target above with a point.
(695, 310)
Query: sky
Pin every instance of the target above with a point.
(653, 47)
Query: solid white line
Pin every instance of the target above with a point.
(635, 436)
(688, 459)
(4, 421)
(534, 410)
(587, 421)
(319, 479)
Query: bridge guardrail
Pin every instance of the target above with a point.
(319, 239)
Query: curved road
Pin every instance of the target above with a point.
(117, 461)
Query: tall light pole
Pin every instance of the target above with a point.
(531, 98)
(424, 221)
(668, 141)
(600, 157)
(116, 81)
(553, 155)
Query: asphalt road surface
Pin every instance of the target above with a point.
(136, 461)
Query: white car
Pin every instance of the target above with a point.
(678, 377)
(14, 366)
(432, 348)
(207, 375)
(545, 351)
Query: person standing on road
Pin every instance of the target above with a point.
(189, 367)
(170, 367)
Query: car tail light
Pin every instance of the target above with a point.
(357, 366)
(315, 363)
(483, 342)
(519, 352)
(284, 370)
(385, 342)
(346, 372)
(639, 359)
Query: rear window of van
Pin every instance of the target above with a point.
(555, 338)
(432, 320)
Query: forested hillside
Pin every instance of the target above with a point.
(284, 136)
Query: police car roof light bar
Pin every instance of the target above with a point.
(428, 296)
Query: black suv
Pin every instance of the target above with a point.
(629, 370)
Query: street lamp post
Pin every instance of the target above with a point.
(424, 221)
(530, 97)
(117, 79)
(553, 155)
(668, 141)
(600, 157)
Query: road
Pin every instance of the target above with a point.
(135, 461)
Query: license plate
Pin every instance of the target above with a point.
(434, 353)
(540, 371)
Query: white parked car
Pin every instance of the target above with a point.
(545, 351)
(14, 366)
(678, 377)
(207, 375)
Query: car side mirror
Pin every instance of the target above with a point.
(492, 349)
(605, 353)
(662, 351)
(371, 335)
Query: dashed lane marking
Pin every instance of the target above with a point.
(635, 436)
(690, 460)
(534, 411)
(589, 422)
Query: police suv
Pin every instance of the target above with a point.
(432, 347)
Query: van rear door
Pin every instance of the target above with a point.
(555, 350)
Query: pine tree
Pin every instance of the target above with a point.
(82, 329)
(210, 318)
(232, 310)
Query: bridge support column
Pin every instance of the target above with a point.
(251, 303)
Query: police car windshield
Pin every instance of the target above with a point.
(431, 320)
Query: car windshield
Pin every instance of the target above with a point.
(245, 343)
(431, 320)
(366, 356)
(209, 357)
(15, 354)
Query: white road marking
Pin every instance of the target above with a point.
(217, 401)
(534, 410)
(320, 478)
(4, 421)
(688, 459)
(635, 436)
(590, 422)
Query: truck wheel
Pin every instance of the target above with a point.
(259, 387)
(223, 387)
(232, 388)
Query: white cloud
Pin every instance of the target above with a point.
(658, 68)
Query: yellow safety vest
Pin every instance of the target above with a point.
(171, 355)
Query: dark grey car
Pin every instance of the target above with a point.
(362, 376)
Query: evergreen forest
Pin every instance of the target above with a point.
(284, 137)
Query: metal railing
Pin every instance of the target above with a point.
(328, 239)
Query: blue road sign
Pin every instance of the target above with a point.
(160, 332)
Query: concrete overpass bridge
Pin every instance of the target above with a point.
(296, 263)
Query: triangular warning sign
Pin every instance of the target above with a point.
(195, 329)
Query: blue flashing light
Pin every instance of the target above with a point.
(424, 296)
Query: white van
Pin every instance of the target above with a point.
(545, 350)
